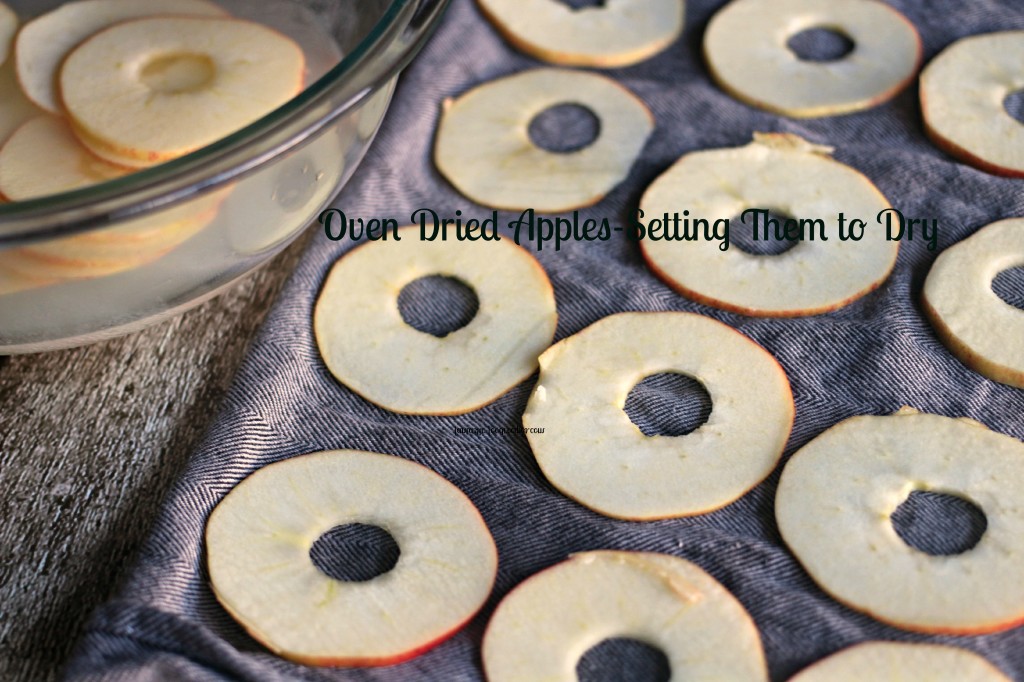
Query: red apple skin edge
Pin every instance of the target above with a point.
(815, 665)
(452, 413)
(366, 662)
(361, 662)
(957, 152)
(973, 361)
(789, 430)
(571, 59)
(989, 629)
(487, 630)
(750, 312)
(823, 112)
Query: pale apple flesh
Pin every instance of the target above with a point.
(962, 94)
(219, 74)
(43, 43)
(594, 454)
(783, 173)
(837, 495)
(258, 542)
(901, 661)
(615, 34)
(14, 108)
(982, 330)
(543, 626)
(413, 372)
(746, 48)
(43, 157)
(483, 146)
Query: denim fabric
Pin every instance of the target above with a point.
(869, 358)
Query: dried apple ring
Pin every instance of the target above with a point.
(368, 347)
(901, 661)
(838, 493)
(981, 329)
(543, 626)
(787, 174)
(43, 43)
(963, 91)
(618, 33)
(259, 539)
(128, 88)
(746, 48)
(484, 149)
(593, 453)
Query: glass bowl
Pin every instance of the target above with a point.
(108, 259)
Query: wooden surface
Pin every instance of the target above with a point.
(90, 441)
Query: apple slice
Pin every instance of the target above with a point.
(8, 27)
(128, 88)
(747, 52)
(258, 542)
(982, 330)
(484, 148)
(781, 172)
(413, 372)
(14, 108)
(111, 251)
(542, 627)
(14, 279)
(43, 43)
(838, 493)
(43, 157)
(901, 661)
(593, 453)
(962, 94)
(614, 34)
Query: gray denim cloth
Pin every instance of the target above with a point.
(870, 358)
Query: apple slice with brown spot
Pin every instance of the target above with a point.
(43, 43)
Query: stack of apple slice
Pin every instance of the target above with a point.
(98, 88)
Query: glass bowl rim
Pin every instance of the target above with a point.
(397, 36)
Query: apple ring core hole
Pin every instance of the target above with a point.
(582, 4)
(668, 404)
(1014, 105)
(622, 658)
(821, 44)
(438, 305)
(939, 524)
(355, 552)
(564, 128)
(1009, 286)
(178, 73)
(772, 232)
